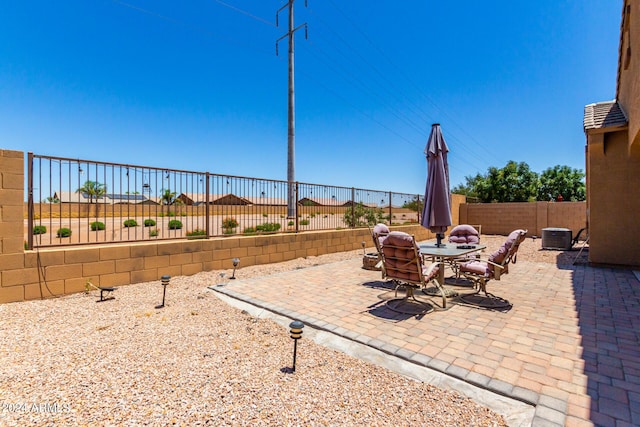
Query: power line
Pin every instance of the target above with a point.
(244, 12)
(418, 89)
(190, 27)
(360, 84)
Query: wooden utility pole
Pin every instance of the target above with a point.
(291, 140)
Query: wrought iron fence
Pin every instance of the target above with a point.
(74, 202)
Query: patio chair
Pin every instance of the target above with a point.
(480, 272)
(403, 264)
(379, 234)
(463, 234)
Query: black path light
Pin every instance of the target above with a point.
(164, 280)
(296, 333)
(235, 262)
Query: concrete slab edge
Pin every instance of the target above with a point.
(517, 413)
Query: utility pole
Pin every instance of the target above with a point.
(291, 172)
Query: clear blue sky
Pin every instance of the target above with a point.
(196, 85)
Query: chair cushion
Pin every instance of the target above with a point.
(381, 228)
(464, 233)
(480, 268)
(400, 238)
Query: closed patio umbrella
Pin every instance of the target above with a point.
(436, 213)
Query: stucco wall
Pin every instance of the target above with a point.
(628, 81)
(614, 199)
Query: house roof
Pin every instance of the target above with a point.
(219, 199)
(109, 198)
(318, 201)
(126, 197)
(602, 115)
(269, 201)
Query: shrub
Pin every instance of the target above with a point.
(363, 216)
(97, 225)
(249, 230)
(304, 222)
(39, 229)
(312, 215)
(268, 227)
(149, 222)
(63, 232)
(154, 232)
(291, 223)
(130, 223)
(197, 232)
(265, 215)
(175, 224)
(229, 222)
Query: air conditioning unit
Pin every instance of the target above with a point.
(556, 238)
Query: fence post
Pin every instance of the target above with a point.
(30, 202)
(206, 206)
(297, 205)
(390, 209)
(353, 207)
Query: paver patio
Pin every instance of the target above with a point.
(569, 345)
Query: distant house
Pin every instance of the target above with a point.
(612, 129)
(109, 198)
(78, 197)
(367, 205)
(197, 199)
(318, 201)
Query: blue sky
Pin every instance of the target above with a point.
(196, 85)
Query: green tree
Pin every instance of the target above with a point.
(469, 187)
(415, 204)
(562, 180)
(515, 182)
(92, 189)
(168, 197)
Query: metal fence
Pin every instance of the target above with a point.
(74, 202)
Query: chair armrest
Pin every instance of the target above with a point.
(430, 269)
(497, 270)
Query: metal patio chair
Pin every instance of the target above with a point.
(481, 272)
(403, 264)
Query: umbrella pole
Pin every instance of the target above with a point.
(439, 239)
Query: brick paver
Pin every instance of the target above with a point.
(570, 343)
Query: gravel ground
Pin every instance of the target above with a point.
(198, 361)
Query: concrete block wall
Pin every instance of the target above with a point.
(27, 275)
(62, 271)
(502, 218)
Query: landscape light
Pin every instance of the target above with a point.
(235, 262)
(296, 333)
(164, 281)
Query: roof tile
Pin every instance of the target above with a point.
(604, 115)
